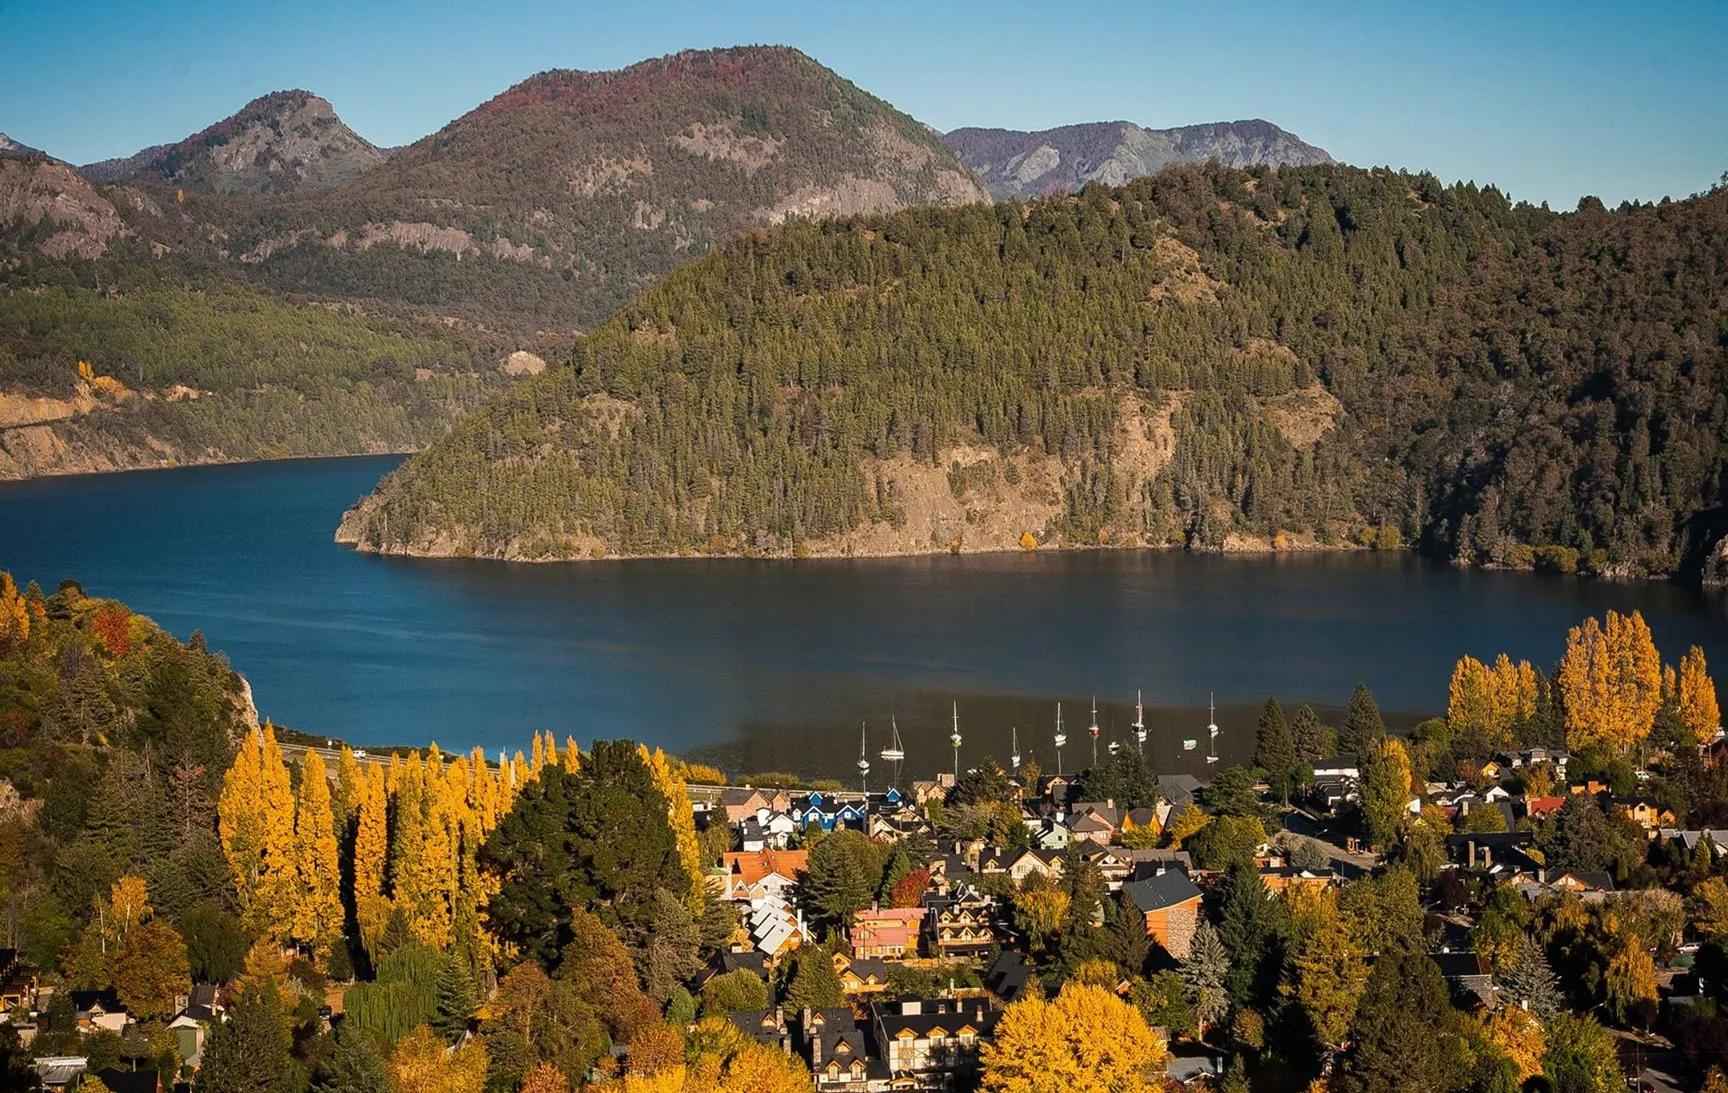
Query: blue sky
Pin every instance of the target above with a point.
(1549, 101)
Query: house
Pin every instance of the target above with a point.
(1715, 839)
(933, 1044)
(188, 1035)
(766, 830)
(748, 961)
(1580, 881)
(829, 811)
(764, 1026)
(99, 1011)
(1194, 1066)
(1022, 862)
(1339, 766)
(19, 981)
(862, 975)
(56, 1072)
(1646, 812)
(1051, 833)
(738, 802)
(962, 925)
(1282, 877)
(838, 1052)
(762, 874)
(1171, 904)
(1007, 977)
(130, 1081)
(1468, 977)
(1178, 789)
(1479, 850)
(775, 928)
(1057, 789)
(890, 932)
(1540, 808)
(1091, 826)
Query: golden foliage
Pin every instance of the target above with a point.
(14, 613)
(1185, 823)
(545, 1078)
(128, 906)
(317, 920)
(1516, 1034)
(1709, 909)
(1610, 682)
(1696, 697)
(1329, 970)
(1085, 1041)
(371, 856)
(683, 820)
(1028, 541)
(420, 1065)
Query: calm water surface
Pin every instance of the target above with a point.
(773, 664)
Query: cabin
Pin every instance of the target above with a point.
(19, 981)
(838, 1052)
(1171, 904)
(1646, 812)
(100, 1011)
(886, 932)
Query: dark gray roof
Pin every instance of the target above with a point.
(1163, 890)
(1178, 789)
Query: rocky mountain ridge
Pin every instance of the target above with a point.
(1019, 164)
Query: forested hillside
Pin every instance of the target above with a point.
(107, 366)
(1209, 356)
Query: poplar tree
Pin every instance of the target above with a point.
(317, 921)
(682, 817)
(371, 859)
(1610, 683)
(1696, 697)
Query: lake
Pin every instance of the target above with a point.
(761, 665)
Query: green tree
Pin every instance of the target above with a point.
(1232, 793)
(457, 999)
(1530, 983)
(248, 1052)
(1252, 928)
(1398, 1041)
(1362, 726)
(812, 983)
(841, 877)
(1581, 1057)
(1128, 944)
(1308, 736)
(1125, 778)
(1275, 750)
(1204, 972)
(674, 951)
(597, 838)
(353, 1066)
(734, 991)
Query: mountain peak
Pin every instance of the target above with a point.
(285, 140)
(1021, 164)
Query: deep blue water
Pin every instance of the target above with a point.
(773, 664)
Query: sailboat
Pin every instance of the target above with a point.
(1212, 729)
(1061, 738)
(1014, 748)
(1094, 730)
(863, 762)
(895, 751)
(954, 739)
(1139, 721)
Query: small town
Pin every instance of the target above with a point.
(1527, 893)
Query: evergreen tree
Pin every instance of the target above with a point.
(1128, 944)
(1308, 736)
(248, 1053)
(674, 951)
(1362, 725)
(352, 1067)
(1399, 1038)
(1251, 927)
(1530, 983)
(1275, 750)
(457, 999)
(842, 876)
(1204, 972)
(813, 983)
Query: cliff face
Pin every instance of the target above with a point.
(46, 207)
(1019, 164)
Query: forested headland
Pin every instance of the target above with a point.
(1209, 357)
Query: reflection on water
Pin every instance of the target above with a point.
(769, 665)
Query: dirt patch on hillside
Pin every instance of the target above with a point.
(723, 142)
(851, 196)
(1183, 278)
(1304, 416)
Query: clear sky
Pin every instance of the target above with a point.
(1548, 100)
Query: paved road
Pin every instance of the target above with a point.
(1331, 835)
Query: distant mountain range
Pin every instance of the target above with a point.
(468, 257)
(1016, 164)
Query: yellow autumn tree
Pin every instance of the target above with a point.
(724, 1060)
(1516, 1034)
(1610, 682)
(14, 614)
(572, 758)
(255, 819)
(1513, 693)
(317, 916)
(1185, 823)
(682, 817)
(1695, 694)
(128, 906)
(420, 1064)
(1708, 909)
(1085, 1041)
(1468, 705)
(1329, 970)
(544, 1078)
(371, 857)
